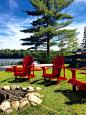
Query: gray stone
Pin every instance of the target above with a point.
(13, 87)
(34, 93)
(38, 88)
(24, 102)
(34, 104)
(35, 99)
(9, 110)
(5, 105)
(18, 87)
(15, 104)
(7, 87)
(1, 87)
(30, 88)
(24, 89)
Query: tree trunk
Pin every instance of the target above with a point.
(48, 46)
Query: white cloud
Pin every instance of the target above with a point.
(80, 29)
(54, 48)
(12, 41)
(13, 4)
(10, 34)
(78, 1)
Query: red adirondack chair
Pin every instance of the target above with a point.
(27, 65)
(58, 64)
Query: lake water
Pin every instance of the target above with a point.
(5, 62)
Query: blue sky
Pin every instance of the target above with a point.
(12, 20)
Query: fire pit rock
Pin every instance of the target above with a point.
(18, 97)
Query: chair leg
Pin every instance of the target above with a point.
(28, 79)
(58, 81)
(15, 78)
(44, 79)
(73, 88)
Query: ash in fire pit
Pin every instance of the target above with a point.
(18, 97)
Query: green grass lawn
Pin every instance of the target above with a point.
(58, 100)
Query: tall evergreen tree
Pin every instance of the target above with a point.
(68, 43)
(48, 24)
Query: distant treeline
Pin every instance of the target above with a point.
(7, 53)
(39, 55)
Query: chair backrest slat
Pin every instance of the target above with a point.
(57, 62)
(27, 61)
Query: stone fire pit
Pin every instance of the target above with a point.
(18, 97)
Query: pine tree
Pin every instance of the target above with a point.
(70, 43)
(48, 26)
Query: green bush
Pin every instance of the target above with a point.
(44, 59)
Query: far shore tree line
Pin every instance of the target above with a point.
(38, 55)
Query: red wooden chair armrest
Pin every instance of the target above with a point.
(15, 67)
(31, 66)
(44, 70)
(47, 66)
(62, 67)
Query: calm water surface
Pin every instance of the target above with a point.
(9, 61)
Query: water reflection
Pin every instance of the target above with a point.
(10, 61)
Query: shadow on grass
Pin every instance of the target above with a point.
(6, 80)
(48, 83)
(82, 73)
(75, 97)
(19, 80)
(35, 81)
